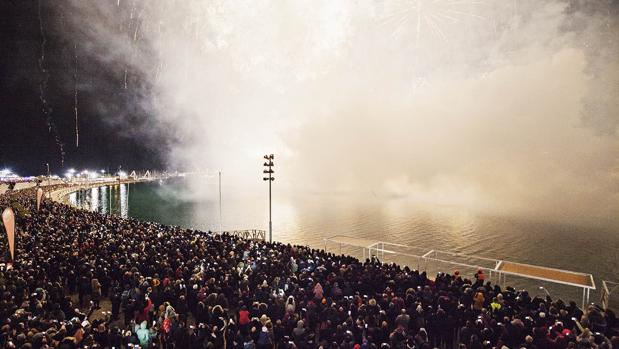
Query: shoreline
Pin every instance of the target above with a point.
(61, 194)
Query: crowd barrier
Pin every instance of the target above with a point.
(497, 270)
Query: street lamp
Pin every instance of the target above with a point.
(269, 177)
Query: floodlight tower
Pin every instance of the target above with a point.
(269, 177)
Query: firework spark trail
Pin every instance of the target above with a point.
(134, 19)
(77, 130)
(431, 17)
(43, 88)
(138, 23)
(435, 27)
(397, 20)
(186, 64)
(158, 72)
(135, 33)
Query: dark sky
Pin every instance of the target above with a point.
(26, 142)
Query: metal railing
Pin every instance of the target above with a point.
(606, 299)
(248, 234)
(431, 260)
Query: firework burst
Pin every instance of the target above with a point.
(429, 19)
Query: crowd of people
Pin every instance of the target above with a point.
(86, 280)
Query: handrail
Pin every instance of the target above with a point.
(497, 267)
(607, 292)
(248, 234)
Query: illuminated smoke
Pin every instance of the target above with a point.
(508, 107)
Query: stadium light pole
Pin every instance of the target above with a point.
(269, 177)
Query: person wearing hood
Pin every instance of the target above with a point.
(294, 267)
(145, 335)
(290, 305)
(318, 292)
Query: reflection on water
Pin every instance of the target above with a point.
(112, 199)
(124, 200)
(94, 199)
(103, 208)
(308, 219)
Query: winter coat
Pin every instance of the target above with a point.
(144, 335)
(318, 293)
(96, 289)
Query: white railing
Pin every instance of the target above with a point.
(606, 299)
(248, 234)
(497, 269)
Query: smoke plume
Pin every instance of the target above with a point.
(508, 107)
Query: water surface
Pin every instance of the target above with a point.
(311, 218)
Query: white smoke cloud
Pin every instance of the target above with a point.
(502, 106)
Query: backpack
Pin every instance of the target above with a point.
(263, 338)
(166, 326)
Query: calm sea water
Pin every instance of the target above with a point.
(309, 219)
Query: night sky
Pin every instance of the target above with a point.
(26, 142)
